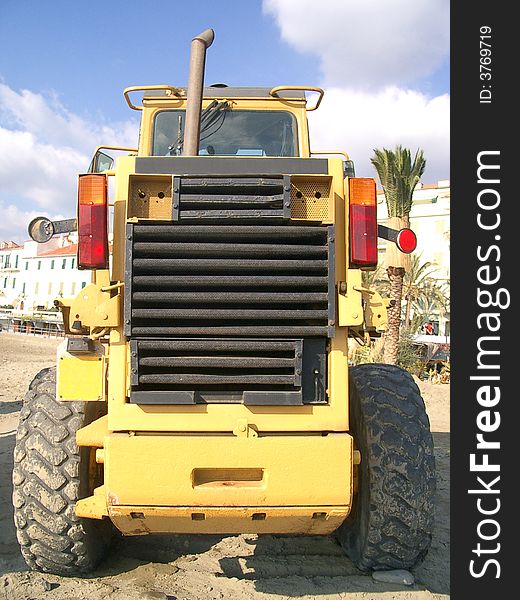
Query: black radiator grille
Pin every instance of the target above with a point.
(229, 280)
(248, 370)
(231, 198)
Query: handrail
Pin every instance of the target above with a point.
(170, 91)
(279, 88)
(122, 148)
(321, 152)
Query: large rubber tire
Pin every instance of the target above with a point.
(50, 474)
(390, 525)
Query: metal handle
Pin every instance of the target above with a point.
(170, 91)
(274, 92)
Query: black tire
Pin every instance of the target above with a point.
(391, 521)
(50, 474)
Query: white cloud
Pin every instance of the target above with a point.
(370, 54)
(53, 124)
(358, 122)
(370, 44)
(43, 147)
(14, 222)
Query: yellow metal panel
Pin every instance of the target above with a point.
(93, 433)
(80, 376)
(311, 198)
(224, 470)
(93, 507)
(311, 520)
(350, 307)
(125, 166)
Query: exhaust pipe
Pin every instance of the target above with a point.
(199, 45)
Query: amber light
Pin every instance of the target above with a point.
(363, 223)
(92, 222)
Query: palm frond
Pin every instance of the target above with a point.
(398, 176)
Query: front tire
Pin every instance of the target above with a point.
(390, 525)
(50, 474)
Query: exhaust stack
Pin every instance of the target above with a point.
(199, 45)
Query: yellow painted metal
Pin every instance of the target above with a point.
(125, 166)
(93, 434)
(81, 376)
(168, 89)
(258, 469)
(124, 416)
(327, 152)
(93, 507)
(293, 470)
(311, 198)
(191, 470)
(309, 520)
(350, 307)
(375, 312)
(95, 306)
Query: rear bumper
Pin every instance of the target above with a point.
(311, 520)
(224, 484)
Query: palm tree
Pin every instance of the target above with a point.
(398, 176)
(433, 300)
(416, 280)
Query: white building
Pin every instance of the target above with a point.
(33, 275)
(10, 264)
(430, 220)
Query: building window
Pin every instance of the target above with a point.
(39, 265)
(16, 261)
(72, 262)
(14, 282)
(5, 282)
(63, 263)
(23, 288)
(7, 260)
(49, 291)
(26, 265)
(36, 286)
(83, 284)
(73, 287)
(52, 264)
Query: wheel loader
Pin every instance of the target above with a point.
(203, 383)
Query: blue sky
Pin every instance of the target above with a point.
(63, 66)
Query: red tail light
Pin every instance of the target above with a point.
(92, 222)
(363, 223)
(406, 240)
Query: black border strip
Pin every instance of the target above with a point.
(482, 120)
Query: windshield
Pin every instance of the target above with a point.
(226, 132)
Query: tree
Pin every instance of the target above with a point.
(398, 176)
(432, 300)
(416, 280)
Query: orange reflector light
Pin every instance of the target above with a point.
(362, 223)
(362, 190)
(92, 222)
(92, 189)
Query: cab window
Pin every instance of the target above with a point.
(226, 132)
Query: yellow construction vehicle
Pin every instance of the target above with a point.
(203, 384)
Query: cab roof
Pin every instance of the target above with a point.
(222, 90)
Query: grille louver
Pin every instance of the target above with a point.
(252, 371)
(231, 198)
(229, 280)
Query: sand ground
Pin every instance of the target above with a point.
(208, 567)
